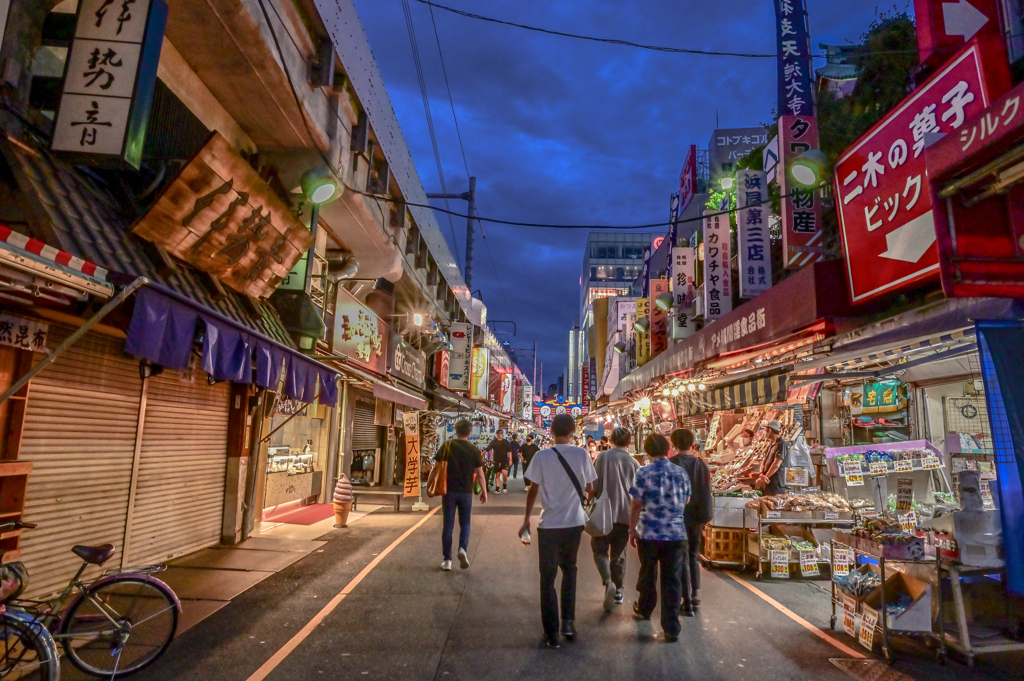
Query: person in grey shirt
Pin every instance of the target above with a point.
(616, 472)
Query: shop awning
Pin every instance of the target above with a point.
(163, 329)
(453, 398)
(804, 393)
(776, 350)
(766, 388)
(393, 393)
(935, 342)
(35, 258)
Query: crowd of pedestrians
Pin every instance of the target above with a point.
(659, 508)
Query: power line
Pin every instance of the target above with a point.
(426, 111)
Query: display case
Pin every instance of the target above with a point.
(281, 459)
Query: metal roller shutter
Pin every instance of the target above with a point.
(365, 434)
(80, 429)
(179, 497)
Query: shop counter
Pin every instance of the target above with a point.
(282, 487)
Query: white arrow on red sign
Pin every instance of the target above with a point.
(911, 241)
(962, 19)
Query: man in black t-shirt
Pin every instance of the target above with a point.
(501, 454)
(526, 452)
(514, 446)
(464, 462)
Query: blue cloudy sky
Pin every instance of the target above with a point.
(565, 131)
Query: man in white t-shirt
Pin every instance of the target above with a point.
(561, 522)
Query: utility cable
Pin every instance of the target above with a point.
(426, 112)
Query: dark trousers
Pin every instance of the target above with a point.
(557, 549)
(669, 556)
(691, 566)
(450, 503)
(612, 569)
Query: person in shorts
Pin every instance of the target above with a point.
(501, 454)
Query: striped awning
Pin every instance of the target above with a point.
(948, 338)
(804, 393)
(766, 388)
(732, 363)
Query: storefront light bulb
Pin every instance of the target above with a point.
(726, 183)
(691, 388)
(417, 319)
(643, 419)
(701, 387)
(675, 392)
(666, 392)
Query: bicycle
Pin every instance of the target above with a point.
(115, 625)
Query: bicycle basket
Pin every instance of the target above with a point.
(13, 580)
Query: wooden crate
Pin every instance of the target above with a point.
(723, 544)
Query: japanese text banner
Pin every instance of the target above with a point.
(717, 266)
(794, 50)
(755, 259)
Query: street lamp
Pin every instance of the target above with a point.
(810, 168)
(664, 302)
(642, 325)
(726, 183)
(620, 347)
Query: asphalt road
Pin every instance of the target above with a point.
(407, 619)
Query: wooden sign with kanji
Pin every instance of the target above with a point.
(221, 217)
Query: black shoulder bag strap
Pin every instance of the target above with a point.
(572, 476)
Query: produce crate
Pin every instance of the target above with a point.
(723, 545)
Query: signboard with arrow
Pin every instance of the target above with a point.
(945, 26)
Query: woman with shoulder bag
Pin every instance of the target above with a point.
(616, 472)
(462, 461)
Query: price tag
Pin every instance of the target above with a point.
(797, 477)
(852, 468)
(959, 465)
(780, 564)
(879, 467)
(930, 463)
(867, 628)
(986, 493)
(855, 480)
(908, 521)
(904, 466)
(809, 564)
(869, 514)
(773, 515)
(840, 562)
(904, 493)
(849, 615)
(831, 515)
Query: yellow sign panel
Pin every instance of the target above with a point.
(643, 343)
(479, 374)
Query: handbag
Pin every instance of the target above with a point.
(602, 524)
(437, 481)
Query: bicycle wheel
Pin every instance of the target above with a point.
(119, 626)
(24, 652)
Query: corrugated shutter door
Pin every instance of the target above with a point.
(179, 498)
(364, 433)
(80, 435)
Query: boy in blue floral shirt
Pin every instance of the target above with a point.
(658, 530)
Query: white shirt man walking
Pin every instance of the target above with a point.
(561, 476)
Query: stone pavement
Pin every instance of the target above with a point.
(407, 619)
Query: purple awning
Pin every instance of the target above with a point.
(163, 329)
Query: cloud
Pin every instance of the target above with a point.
(566, 131)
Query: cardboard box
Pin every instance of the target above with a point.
(729, 511)
(783, 530)
(783, 515)
(918, 617)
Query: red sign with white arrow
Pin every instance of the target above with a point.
(882, 191)
(944, 26)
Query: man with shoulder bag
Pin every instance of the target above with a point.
(463, 461)
(561, 476)
(616, 473)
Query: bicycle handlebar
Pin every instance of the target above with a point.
(17, 525)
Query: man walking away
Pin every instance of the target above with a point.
(501, 454)
(513, 444)
(559, 475)
(657, 529)
(464, 460)
(526, 452)
(616, 473)
(699, 511)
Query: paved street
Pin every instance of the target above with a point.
(409, 620)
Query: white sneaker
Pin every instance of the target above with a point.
(463, 560)
(609, 596)
(497, 491)
(446, 565)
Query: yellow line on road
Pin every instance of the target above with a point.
(278, 657)
(799, 620)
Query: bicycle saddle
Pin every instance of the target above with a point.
(97, 555)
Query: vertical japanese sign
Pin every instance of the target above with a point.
(717, 271)
(593, 376)
(755, 261)
(109, 79)
(442, 365)
(646, 272)
(506, 394)
(411, 426)
(480, 373)
(659, 319)
(683, 287)
(801, 211)
(883, 195)
(794, 50)
(527, 402)
(584, 381)
(643, 345)
(673, 219)
(460, 363)
(687, 180)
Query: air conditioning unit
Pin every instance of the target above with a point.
(698, 304)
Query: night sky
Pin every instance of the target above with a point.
(565, 131)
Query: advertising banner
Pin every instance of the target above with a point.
(527, 406)
(584, 381)
(643, 344)
(883, 195)
(943, 27)
(659, 319)
(794, 50)
(411, 426)
(717, 265)
(359, 333)
(687, 179)
(755, 253)
(479, 374)
(506, 394)
(801, 210)
(442, 364)
(683, 289)
(460, 362)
